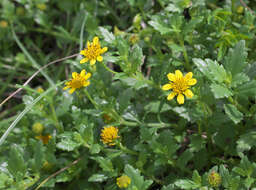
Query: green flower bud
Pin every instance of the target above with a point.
(37, 128)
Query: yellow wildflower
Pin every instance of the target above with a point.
(123, 181)
(78, 81)
(108, 135)
(93, 52)
(44, 138)
(214, 179)
(3, 24)
(37, 128)
(180, 85)
(41, 6)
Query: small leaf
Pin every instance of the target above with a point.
(67, 143)
(247, 89)
(186, 184)
(236, 59)
(105, 164)
(98, 178)
(220, 91)
(239, 79)
(108, 36)
(235, 115)
(246, 141)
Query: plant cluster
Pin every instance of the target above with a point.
(160, 94)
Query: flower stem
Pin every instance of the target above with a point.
(91, 100)
(126, 150)
(187, 65)
(108, 69)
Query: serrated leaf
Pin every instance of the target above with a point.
(184, 158)
(136, 179)
(239, 79)
(246, 141)
(235, 115)
(98, 178)
(186, 184)
(197, 178)
(135, 58)
(236, 59)
(67, 143)
(16, 163)
(159, 26)
(220, 91)
(105, 164)
(247, 89)
(108, 36)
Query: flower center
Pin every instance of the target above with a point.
(93, 51)
(77, 82)
(180, 85)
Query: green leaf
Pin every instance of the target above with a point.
(157, 107)
(136, 179)
(108, 36)
(16, 164)
(196, 143)
(98, 178)
(246, 141)
(239, 79)
(211, 69)
(95, 149)
(4, 180)
(159, 26)
(220, 91)
(235, 115)
(197, 178)
(236, 59)
(67, 143)
(247, 89)
(184, 158)
(136, 58)
(105, 164)
(186, 184)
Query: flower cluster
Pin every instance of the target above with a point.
(123, 181)
(109, 135)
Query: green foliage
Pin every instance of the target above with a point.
(160, 144)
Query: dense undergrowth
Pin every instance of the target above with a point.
(164, 97)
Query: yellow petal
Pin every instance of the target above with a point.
(88, 75)
(87, 83)
(82, 73)
(171, 77)
(100, 58)
(188, 93)
(103, 50)
(82, 52)
(189, 75)
(88, 44)
(192, 82)
(180, 99)
(171, 96)
(71, 90)
(66, 87)
(74, 74)
(84, 60)
(92, 62)
(178, 74)
(167, 87)
(95, 40)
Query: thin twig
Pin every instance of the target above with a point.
(30, 78)
(58, 172)
(244, 4)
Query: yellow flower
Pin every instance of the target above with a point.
(78, 81)
(41, 6)
(37, 128)
(214, 179)
(3, 24)
(123, 181)
(93, 52)
(44, 138)
(180, 85)
(108, 135)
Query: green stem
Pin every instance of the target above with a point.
(187, 65)
(108, 69)
(91, 100)
(126, 150)
(156, 125)
(55, 118)
(238, 106)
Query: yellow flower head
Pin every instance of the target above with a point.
(37, 128)
(123, 181)
(44, 138)
(108, 135)
(180, 85)
(3, 24)
(78, 81)
(214, 179)
(93, 52)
